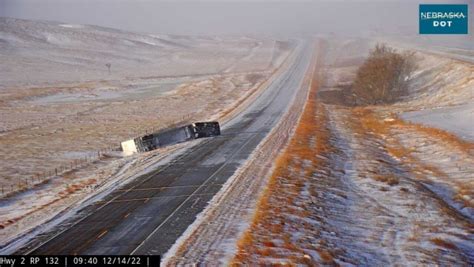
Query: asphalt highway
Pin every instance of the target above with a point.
(147, 215)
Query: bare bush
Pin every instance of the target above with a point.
(384, 76)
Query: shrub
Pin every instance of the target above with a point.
(383, 77)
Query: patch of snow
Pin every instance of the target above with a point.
(72, 26)
(457, 119)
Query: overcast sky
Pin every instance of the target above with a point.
(227, 17)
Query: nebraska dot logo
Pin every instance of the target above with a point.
(443, 19)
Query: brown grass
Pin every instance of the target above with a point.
(372, 124)
(285, 184)
(443, 243)
(326, 256)
(389, 179)
(290, 175)
(444, 136)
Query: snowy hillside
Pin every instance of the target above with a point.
(35, 52)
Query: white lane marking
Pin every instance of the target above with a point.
(189, 197)
(113, 199)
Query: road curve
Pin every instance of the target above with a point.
(147, 215)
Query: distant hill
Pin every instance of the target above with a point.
(33, 52)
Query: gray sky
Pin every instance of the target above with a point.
(228, 17)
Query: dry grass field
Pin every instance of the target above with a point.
(361, 186)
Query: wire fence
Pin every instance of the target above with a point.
(40, 178)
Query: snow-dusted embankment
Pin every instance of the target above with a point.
(358, 186)
(442, 95)
(213, 237)
(60, 105)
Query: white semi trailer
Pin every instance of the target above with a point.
(171, 136)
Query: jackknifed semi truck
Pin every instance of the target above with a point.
(171, 136)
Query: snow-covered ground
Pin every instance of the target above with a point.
(38, 52)
(52, 130)
(55, 113)
(60, 105)
(358, 186)
(213, 236)
(457, 119)
(354, 186)
(442, 95)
